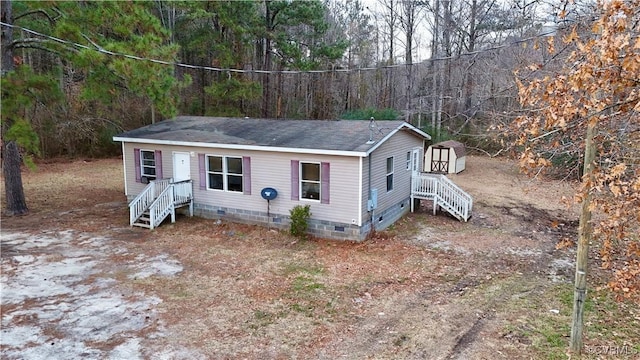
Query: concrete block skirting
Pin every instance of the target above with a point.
(386, 218)
(319, 228)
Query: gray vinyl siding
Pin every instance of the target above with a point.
(397, 146)
(365, 190)
(268, 169)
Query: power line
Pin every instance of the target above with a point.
(102, 50)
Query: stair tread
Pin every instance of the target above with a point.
(141, 225)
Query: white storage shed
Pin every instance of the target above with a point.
(447, 157)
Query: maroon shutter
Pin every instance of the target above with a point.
(324, 183)
(203, 173)
(136, 161)
(246, 175)
(295, 180)
(158, 159)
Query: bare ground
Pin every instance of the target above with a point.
(77, 281)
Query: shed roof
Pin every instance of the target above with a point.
(458, 147)
(311, 136)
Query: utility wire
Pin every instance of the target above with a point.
(100, 49)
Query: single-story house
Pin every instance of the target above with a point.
(354, 174)
(446, 157)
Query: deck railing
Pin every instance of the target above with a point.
(182, 191)
(160, 198)
(443, 192)
(142, 202)
(161, 207)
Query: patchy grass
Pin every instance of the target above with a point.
(542, 318)
(429, 287)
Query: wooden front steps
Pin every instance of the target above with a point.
(158, 200)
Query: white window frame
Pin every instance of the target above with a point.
(144, 167)
(389, 173)
(225, 173)
(408, 160)
(319, 182)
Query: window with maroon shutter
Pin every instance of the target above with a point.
(310, 181)
(158, 161)
(324, 183)
(295, 180)
(146, 165)
(202, 170)
(246, 167)
(136, 161)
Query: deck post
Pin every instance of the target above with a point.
(152, 219)
(173, 202)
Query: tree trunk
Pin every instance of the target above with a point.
(409, 19)
(266, 91)
(203, 92)
(468, 89)
(7, 37)
(11, 160)
(391, 22)
(347, 97)
(408, 55)
(584, 238)
(446, 94)
(279, 91)
(435, 68)
(16, 203)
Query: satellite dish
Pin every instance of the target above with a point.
(269, 193)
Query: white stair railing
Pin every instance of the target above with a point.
(444, 193)
(141, 203)
(183, 191)
(162, 207)
(457, 199)
(424, 186)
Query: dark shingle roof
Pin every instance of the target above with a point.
(457, 147)
(339, 135)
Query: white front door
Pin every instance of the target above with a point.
(181, 166)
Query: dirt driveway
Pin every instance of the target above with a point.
(78, 282)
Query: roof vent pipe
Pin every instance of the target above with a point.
(372, 126)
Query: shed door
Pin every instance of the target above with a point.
(181, 166)
(440, 159)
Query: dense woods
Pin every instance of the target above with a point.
(112, 66)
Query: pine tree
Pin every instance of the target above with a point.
(95, 34)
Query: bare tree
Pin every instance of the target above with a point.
(390, 18)
(409, 17)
